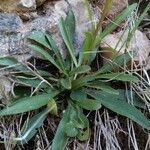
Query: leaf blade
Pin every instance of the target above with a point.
(120, 107)
(30, 129)
(27, 104)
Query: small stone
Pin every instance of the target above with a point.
(20, 6)
(17, 5)
(117, 41)
(28, 16)
(5, 88)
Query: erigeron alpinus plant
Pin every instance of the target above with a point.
(75, 86)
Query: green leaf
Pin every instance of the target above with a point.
(121, 107)
(106, 68)
(8, 61)
(119, 76)
(114, 24)
(56, 51)
(65, 33)
(52, 106)
(60, 139)
(70, 23)
(27, 104)
(47, 41)
(78, 95)
(31, 82)
(77, 116)
(66, 83)
(89, 11)
(89, 104)
(80, 98)
(102, 86)
(138, 21)
(31, 126)
(82, 81)
(80, 70)
(87, 46)
(40, 38)
(131, 95)
(73, 120)
(116, 62)
(85, 135)
(71, 130)
(45, 54)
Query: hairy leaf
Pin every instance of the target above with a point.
(66, 33)
(60, 139)
(121, 107)
(119, 76)
(8, 61)
(31, 126)
(89, 104)
(56, 51)
(87, 46)
(78, 95)
(45, 54)
(66, 83)
(27, 104)
(102, 86)
(40, 38)
(80, 70)
(70, 24)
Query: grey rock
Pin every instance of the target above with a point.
(9, 22)
(10, 39)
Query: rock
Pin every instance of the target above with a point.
(5, 89)
(39, 2)
(28, 16)
(11, 41)
(17, 5)
(116, 42)
(117, 7)
(20, 5)
(25, 8)
(60, 9)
